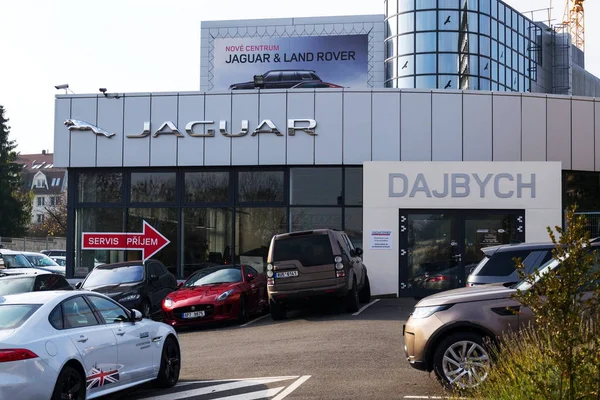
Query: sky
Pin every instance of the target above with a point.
(145, 46)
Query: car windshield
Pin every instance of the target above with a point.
(15, 261)
(14, 315)
(60, 261)
(211, 276)
(41, 260)
(114, 275)
(16, 285)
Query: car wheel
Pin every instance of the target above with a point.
(461, 361)
(277, 311)
(243, 312)
(170, 364)
(352, 301)
(365, 293)
(69, 385)
(145, 309)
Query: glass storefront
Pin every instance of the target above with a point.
(212, 216)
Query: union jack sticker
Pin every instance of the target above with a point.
(99, 376)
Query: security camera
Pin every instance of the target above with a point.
(103, 90)
(63, 86)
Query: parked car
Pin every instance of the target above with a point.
(13, 262)
(42, 261)
(22, 283)
(224, 292)
(498, 264)
(446, 332)
(62, 261)
(97, 347)
(54, 252)
(315, 264)
(134, 284)
(279, 79)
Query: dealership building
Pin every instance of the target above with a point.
(426, 133)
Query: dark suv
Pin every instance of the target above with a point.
(498, 265)
(314, 264)
(279, 79)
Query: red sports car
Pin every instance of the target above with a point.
(223, 292)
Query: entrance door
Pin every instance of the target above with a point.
(438, 248)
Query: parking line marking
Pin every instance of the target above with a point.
(254, 395)
(292, 387)
(365, 306)
(254, 320)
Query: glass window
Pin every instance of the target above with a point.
(426, 4)
(218, 274)
(448, 64)
(405, 5)
(484, 6)
(18, 285)
(309, 250)
(494, 8)
(110, 311)
(354, 186)
(484, 67)
(472, 4)
(427, 82)
(448, 81)
(494, 29)
(406, 44)
(56, 318)
(393, 26)
(14, 315)
(353, 225)
(406, 23)
(473, 65)
(453, 4)
(494, 71)
(448, 41)
(515, 20)
(406, 83)
(485, 25)
(473, 25)
(406, 65)
(165, 221)
(426, 64)
(77, 313)
(473, 43)
(115, 275)
(255, 228)
(206, 187)
(316, 186)
(206, 238)
(303, 219)
(152, 187)
(484, 46)
(50, 282)
(502, 75)
(426, 20)
(392, 7)
(494, 50)
(508, 37)
(96, 220)
(426, 42)
(261, 186)
(485, 84)
(448, 20)
(501, 9)
(99, 187)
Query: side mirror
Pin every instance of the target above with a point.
(180, 285)
(358, 251)
(250, 277)
(78, 285)
(136, 316)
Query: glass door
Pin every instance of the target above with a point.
(439, 248)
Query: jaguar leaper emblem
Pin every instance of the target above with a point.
(77, 125)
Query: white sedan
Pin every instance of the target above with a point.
(79, 344)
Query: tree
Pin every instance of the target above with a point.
(15, 206)
(55, 219)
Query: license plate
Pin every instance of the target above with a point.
(286, 274)
(195, 314)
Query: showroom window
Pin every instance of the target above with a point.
(206, 187)
(100, 187)
(261, 187)
(316, 186)
(153, 187)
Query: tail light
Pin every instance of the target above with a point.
(340, 274)
(8, 355)
(270, 281)
(438, 278)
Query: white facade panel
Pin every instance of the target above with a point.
(217, 149)
(163, 147)
(357, 127)
(385, 134)
(136, 152)
(415, 126)
(272, 148)
(62, 136)
(477, 127)
(244, 150)
(191, 149)
(583, 135)
(534, 128)
(110, 117)
(447, 127)
(559, 131)
(328, 113)
(83, 143)
(301, 148)
(506, 130)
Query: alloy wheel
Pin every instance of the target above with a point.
(172, 362)
(71, 387)
(465, 364)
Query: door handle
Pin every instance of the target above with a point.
(120, 333)
(82, 339)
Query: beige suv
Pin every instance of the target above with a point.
(446, 331)
(307, 265)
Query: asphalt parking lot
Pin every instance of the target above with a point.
(317, 353)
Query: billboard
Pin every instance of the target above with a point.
(295, 62)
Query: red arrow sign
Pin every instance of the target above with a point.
(150, 241)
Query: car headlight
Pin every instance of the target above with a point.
(424, 312)
(168, 303)
(130, 297)
(224, 295)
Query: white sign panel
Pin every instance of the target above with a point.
(381, 240)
